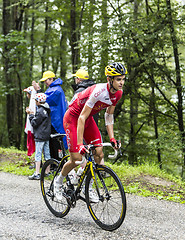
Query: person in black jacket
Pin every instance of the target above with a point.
(41, 123)
(82, 82)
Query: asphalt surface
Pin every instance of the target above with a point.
(24, 216)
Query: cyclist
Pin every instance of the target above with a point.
(82, 81)
(79, 123)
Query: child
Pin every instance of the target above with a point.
(30, 93)
(41, 124)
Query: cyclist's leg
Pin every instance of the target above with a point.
(98, 155)
(68, 166)
(92, 135)
(70, 127)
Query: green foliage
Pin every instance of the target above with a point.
(149, 181)
(149, 117)
(15, 161)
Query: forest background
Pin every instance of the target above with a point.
(148, 36)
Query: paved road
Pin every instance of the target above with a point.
(24, 216)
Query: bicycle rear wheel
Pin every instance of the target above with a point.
(109, 212)
(58, 208)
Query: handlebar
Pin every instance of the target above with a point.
(57, 135)
(115, 150)
(90, 146)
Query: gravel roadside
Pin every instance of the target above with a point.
(24, 216)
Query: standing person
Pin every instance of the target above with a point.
(82, 82)
(41, 123)
(79, 123)
(30, 93)
(58, 105)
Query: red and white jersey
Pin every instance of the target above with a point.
(97, 97)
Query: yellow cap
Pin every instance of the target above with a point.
(46, 75)
(81, 73)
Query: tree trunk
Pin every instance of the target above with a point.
(133, 110)
(104, 41)
(63, 54)
(32, 41)
(132, 158)
(153, 104)
(44, 50)
(12, 20)
(74, 37)
(178, 81)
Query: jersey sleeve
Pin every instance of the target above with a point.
(92, 99)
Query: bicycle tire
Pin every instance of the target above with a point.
(109, 212)
(58, 208)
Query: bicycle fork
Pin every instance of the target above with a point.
(92, 169)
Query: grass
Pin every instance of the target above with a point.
(144, 180)
(149, 180)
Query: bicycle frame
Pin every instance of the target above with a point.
(90, 166)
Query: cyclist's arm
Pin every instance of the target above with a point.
(81, 123)
(110, 110)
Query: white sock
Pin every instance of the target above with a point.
(60, 178)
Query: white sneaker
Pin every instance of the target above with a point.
(92, 195)
(58, 190)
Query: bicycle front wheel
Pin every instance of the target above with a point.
(109, 212)
(58, 208)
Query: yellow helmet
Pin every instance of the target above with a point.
(81, 73)
(115, 69)
(46, 75)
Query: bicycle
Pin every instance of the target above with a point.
(109, 212)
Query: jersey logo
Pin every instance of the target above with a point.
(83, 101)
(114, 98)
(99, 92)
(99, 107)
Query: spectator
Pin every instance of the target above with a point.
(58, 105)
(41, 123)
(82, 82)
(30, 93)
